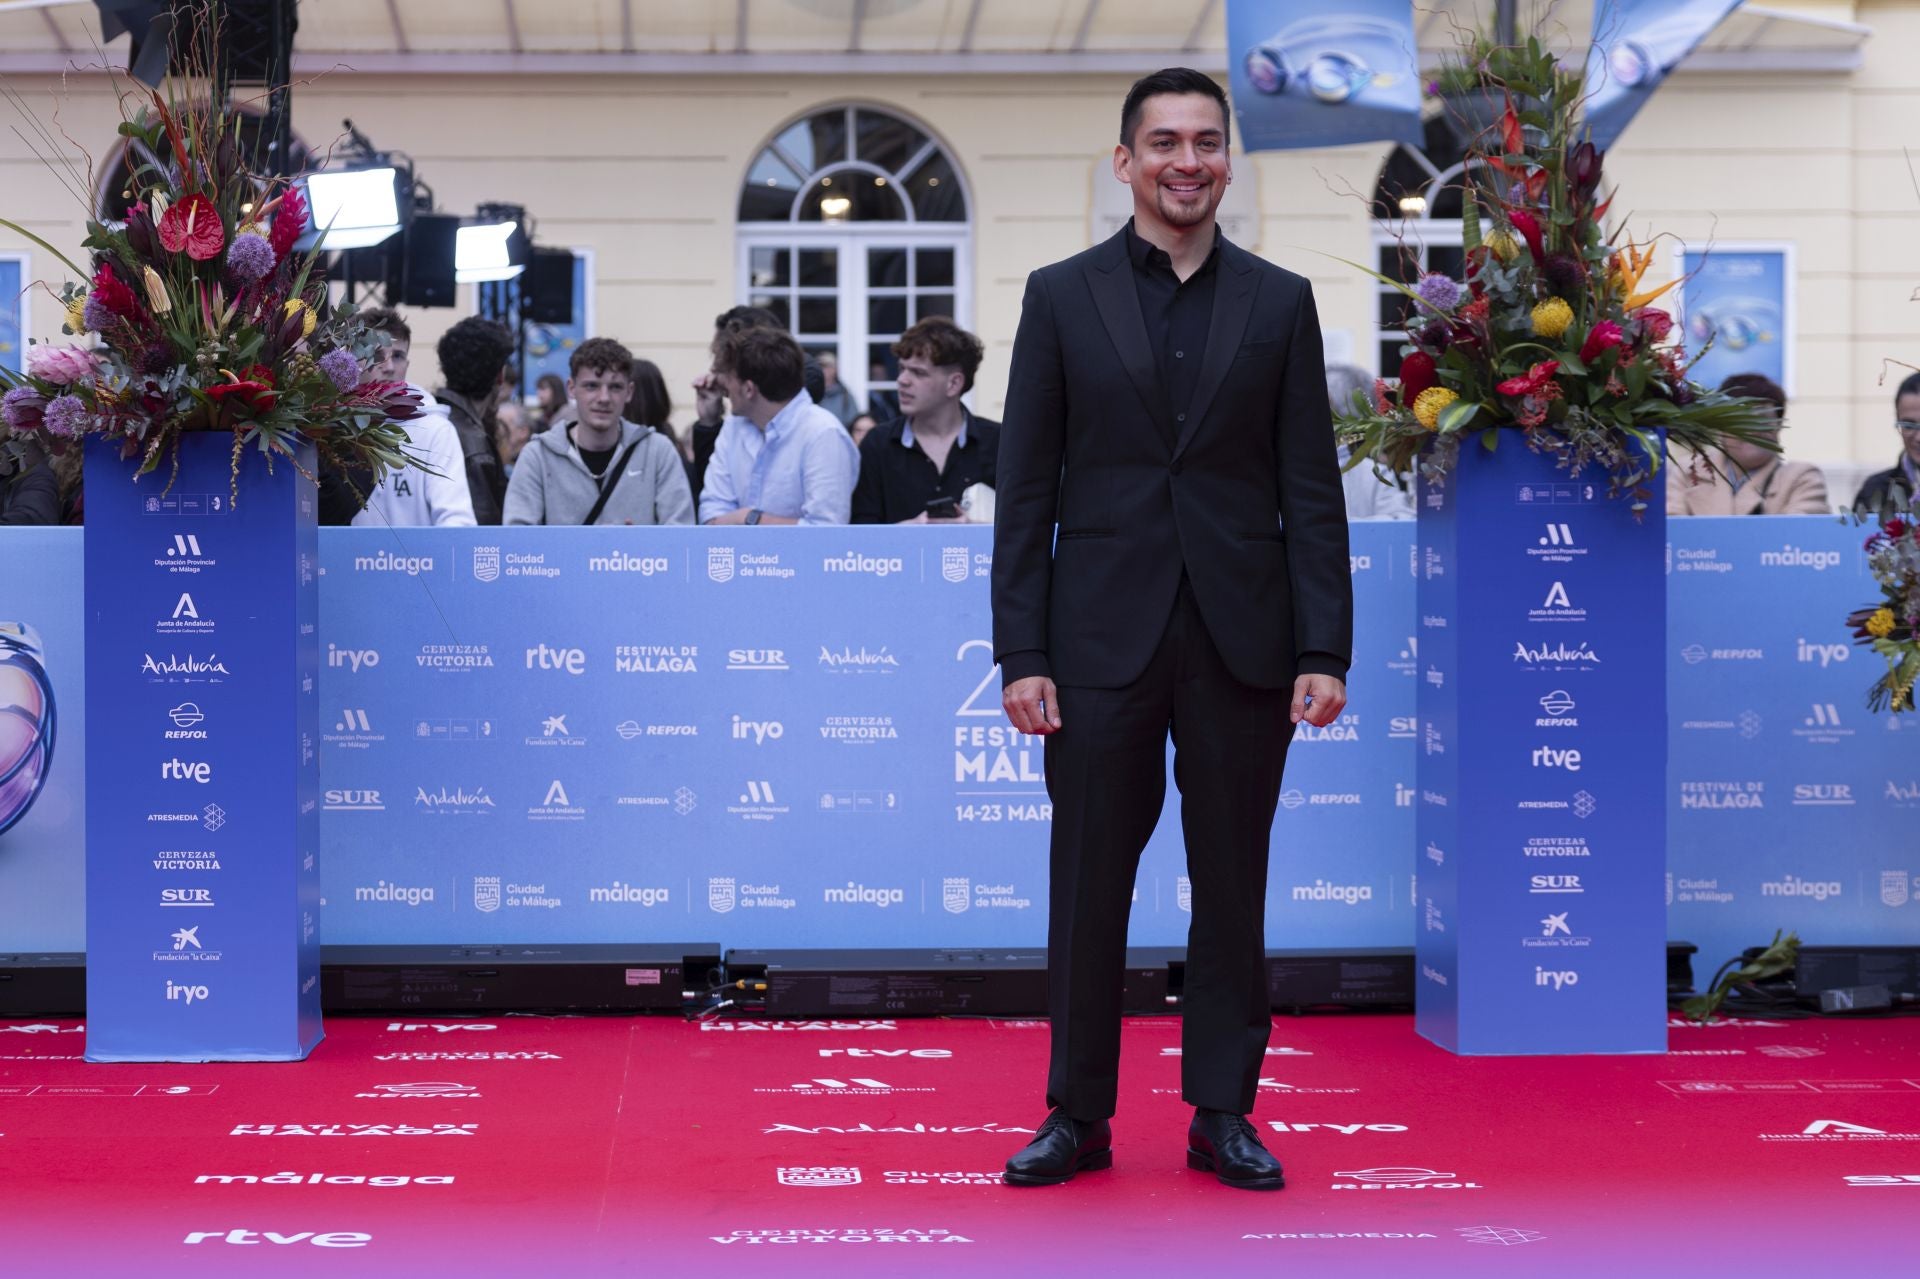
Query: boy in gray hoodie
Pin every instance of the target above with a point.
(600, 469)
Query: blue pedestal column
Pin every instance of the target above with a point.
(1541, 829)
(203, 889)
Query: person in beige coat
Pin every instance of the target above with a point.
(1747, 479)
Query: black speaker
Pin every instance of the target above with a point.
(546, 287)
(253, 38)
(425, 262)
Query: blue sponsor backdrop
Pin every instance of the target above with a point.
(1540, 763)
(202, 875)
(449, 710)
(1308, 74)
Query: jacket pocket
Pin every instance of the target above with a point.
(1081, 534)
(1275, 536)
(1265, 349)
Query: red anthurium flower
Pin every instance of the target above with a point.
(1533, 381)
(1417, 374)
(249, 396)
(1529, 228)
(1604, 336)
(193, 225)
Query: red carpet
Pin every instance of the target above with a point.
(591, 1147)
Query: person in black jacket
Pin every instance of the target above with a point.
(1893, 490)
(29, 490)
(916, 469)
(1167, 414)
(473, 360)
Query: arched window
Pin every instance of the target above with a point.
(854, 226)
(1416, 211)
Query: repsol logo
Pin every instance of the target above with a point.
(860, 895)
(872, 565)
(1794, 886)
(621, 562)
(1791, 556)
(1321, 891)
(388, 562)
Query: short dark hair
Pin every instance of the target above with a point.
(473, 353)
(650, 404)
(384, 319)
(943, 344)
(1909, 385)
(768, 358)
(600, 355)
(1756, 386)
(1171, 80)
(747, 317)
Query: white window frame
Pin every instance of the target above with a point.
(851, 241)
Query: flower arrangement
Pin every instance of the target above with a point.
(1892, 627)
(1553, 335)
(204, 318)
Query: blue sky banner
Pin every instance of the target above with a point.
(1636, 45)
(1306, 76)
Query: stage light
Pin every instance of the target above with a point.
(352, 208)
(480, 253)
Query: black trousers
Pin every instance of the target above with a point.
(1106, 774)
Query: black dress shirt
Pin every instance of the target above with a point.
(1178, 314)
(898, 479)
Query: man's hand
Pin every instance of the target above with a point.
(1318, 699)
(709, 401)
(1033, 705)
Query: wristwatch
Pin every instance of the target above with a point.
(753, 516)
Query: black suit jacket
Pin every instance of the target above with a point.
(1244, 495)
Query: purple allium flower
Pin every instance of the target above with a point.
(1438, 291)
(65, 416)
(22, 408)
(250, 257)
(98, 318)
(341, 368)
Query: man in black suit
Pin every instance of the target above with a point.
(1167, 413)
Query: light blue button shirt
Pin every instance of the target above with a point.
(802, 467)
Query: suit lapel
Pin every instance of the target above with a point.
(1232, 307)
(1114, 293)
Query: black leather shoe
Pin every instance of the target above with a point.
(1063, 1146)
(1227, 1146)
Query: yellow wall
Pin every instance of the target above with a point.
(646, 173)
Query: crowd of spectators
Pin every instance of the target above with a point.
(777, 438)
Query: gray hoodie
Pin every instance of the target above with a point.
(551, 483)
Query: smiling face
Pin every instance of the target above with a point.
(1177, 164)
